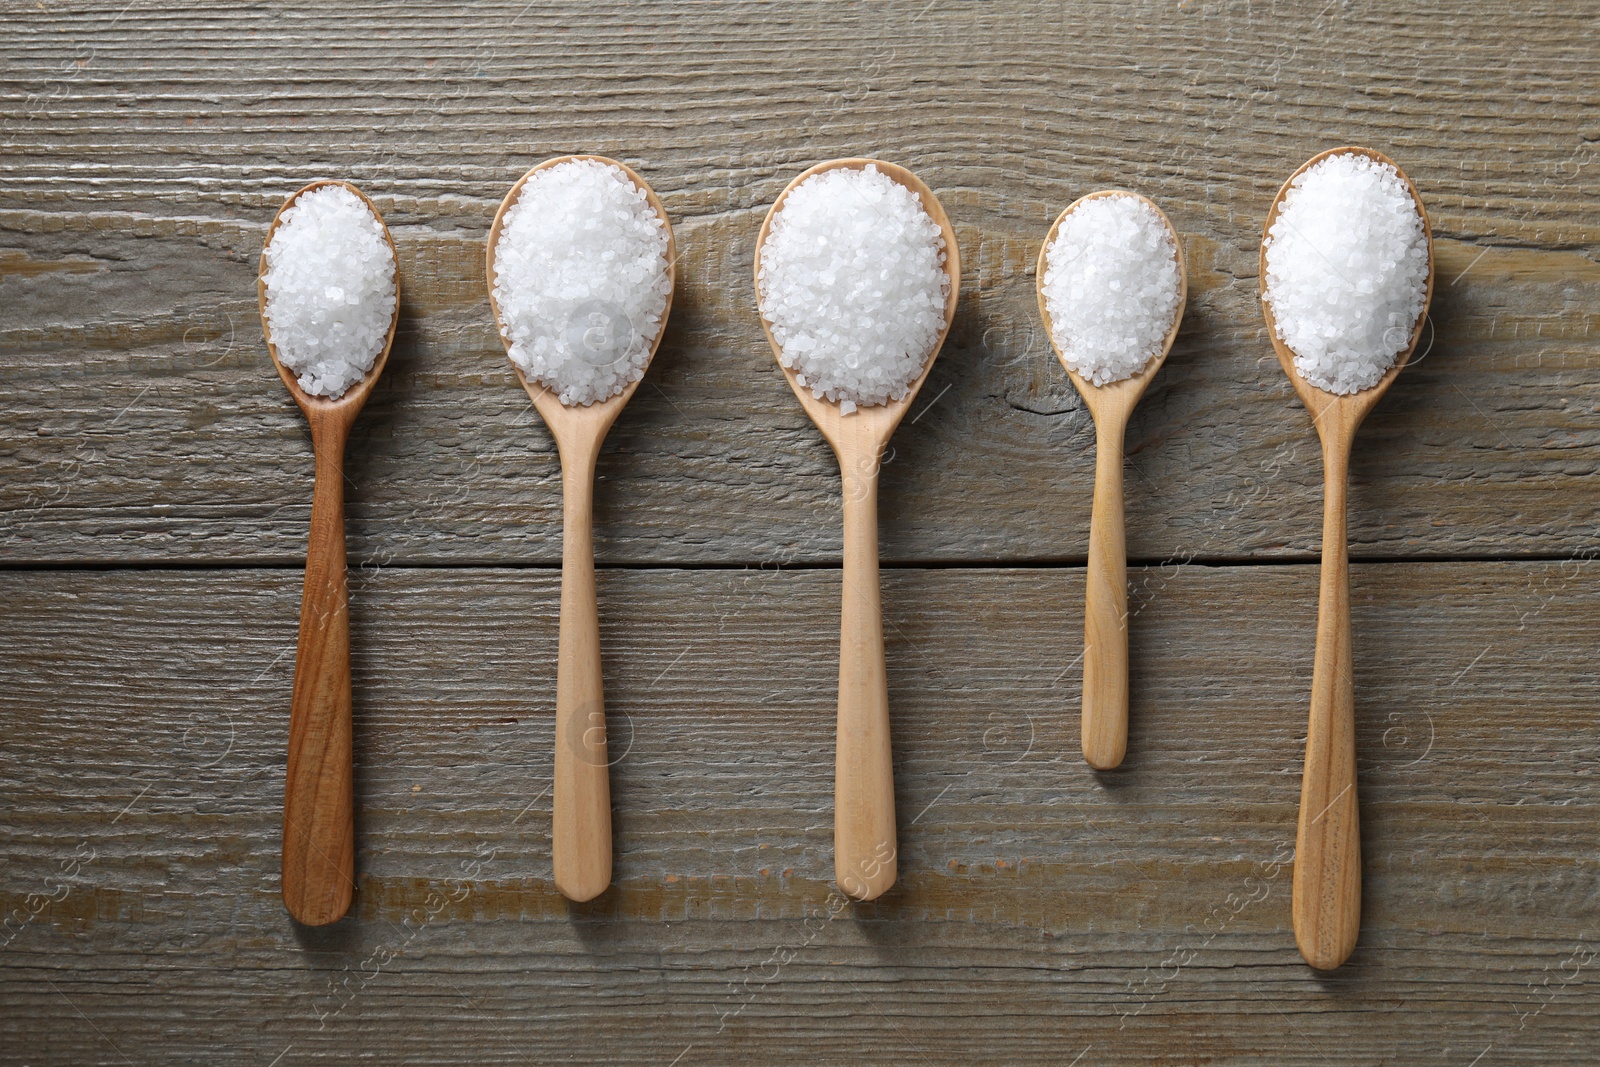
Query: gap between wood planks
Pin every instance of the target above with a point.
(1064, 564)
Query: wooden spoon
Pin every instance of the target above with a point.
(580, 850)
(318, 800)
(1105, 616)
(1327, 868)
(864, 848)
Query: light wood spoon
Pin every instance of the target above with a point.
(580, 850)
(318, 800)
(1105, 616)
(865, 857)
(1327, 867)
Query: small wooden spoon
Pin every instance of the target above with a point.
(1105, 616)
(580, 850)
(864, 847)
(318, 801)
(1327, 868)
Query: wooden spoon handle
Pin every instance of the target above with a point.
(1327, 869)
(581, 820)
(318, 800)
(864, 852)
(1105, 617)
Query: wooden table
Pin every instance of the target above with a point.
(155, 481)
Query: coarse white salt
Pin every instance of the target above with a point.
(1347, 271)
(852, 286)
(581, 280)
(1112, 287)
(330, 281)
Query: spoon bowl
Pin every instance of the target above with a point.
(1338, 413)
(865, 852)
(1327, 870)
(581, 793)
(579, 420)
(1105, 656)
(348, 403)
(319, 802)
(857, 431)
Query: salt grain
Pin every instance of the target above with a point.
(1346, 271)
(330, 289)
(1111, 286)
(853, 287)
(581, 279)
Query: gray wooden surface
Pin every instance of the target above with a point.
(155, 489)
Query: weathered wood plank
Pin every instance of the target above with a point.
(146, 149)
(1046, 914)
(1044, 910)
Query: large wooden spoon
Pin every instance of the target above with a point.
(580, 848)
(865, 857)
(318, 800)
(1327, 865)
(1105, 616)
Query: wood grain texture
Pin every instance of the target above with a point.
(145, 151)
(318, 815)
(1041, 909)
(1043, 914)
